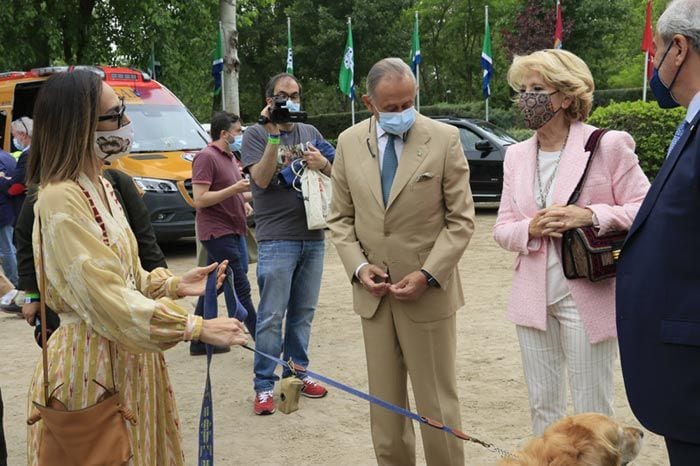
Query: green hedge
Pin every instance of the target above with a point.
(332, 124)
(603, 97)
(520, 134)
(651, 127)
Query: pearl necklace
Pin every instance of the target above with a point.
(543, 193)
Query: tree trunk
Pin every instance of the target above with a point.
(231, 62)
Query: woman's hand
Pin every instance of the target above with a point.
(556, 219)
(194, 282)
(559, 218)
(540, 226)
(223, 331)
(30, 311)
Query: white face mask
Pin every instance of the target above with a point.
(112, 144)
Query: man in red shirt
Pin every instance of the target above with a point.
(217, 188)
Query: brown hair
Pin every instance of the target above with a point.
(65, 120)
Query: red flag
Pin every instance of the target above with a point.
(559, 29)
(647, 41)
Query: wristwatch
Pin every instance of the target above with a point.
(430, 279)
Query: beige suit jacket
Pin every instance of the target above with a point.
(427, 223)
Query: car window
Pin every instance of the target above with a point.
(504, 138)
(164, 128)
(468, 139)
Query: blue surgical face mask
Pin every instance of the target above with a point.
(17, 144)
(293, 106)
(235, 146)
(397, 123)
(661, 91)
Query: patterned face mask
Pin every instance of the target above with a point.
(537, 108)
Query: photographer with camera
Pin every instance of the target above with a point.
(290, 256)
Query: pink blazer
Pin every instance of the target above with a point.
(614, 190)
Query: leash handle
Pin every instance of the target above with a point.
(235, 310)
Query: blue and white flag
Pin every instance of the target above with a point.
(217, 65)
(487, 62)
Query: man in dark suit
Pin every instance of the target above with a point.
(658, 280)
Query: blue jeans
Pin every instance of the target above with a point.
(243, 246)
(289, 279)
(229, 248)
(8, 254)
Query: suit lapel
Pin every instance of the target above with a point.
(414, 152)
(370, 161)
(524, 179)
(571, 166)
(660, 180)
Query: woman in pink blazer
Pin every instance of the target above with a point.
(563, 325)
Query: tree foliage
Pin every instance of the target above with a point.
(605, 33)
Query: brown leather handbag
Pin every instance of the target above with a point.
(92, 436)
(584, 253)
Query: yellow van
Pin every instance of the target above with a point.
(166, 137)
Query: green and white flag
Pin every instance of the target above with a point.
(290, 59)
(415, 47)
(347, 68)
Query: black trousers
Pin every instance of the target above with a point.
(3, 446)
(682, 453)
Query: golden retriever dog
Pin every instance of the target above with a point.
(588, 439)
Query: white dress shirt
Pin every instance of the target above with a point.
(693, 109)
(382, 139)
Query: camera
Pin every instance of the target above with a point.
(279, 113)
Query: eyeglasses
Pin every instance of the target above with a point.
(283, 95)
(118, 115)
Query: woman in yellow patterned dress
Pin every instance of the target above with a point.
(94, 278)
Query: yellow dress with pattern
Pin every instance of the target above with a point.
(95, 282)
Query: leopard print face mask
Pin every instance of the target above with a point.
(537, 108)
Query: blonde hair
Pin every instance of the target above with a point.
(562, 70)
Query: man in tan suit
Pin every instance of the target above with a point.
(401, 217)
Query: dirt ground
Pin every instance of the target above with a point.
(335, 430)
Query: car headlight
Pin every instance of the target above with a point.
(155, 185)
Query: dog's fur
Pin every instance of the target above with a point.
(588, 439)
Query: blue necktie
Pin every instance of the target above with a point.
(389, 165)
(677, 136)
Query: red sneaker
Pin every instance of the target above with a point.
(313, 389)
(264, 403)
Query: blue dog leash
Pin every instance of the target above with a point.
(297, 369)
(206, 417)
(206, 423)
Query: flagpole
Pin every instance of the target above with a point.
(223, 52)
(417, 78)
(486, 15)
(153, 61)
(352, 86)
(646, 71)
(290, 70)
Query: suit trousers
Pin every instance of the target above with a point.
(396, 346)
(564, 347)
(682, 453)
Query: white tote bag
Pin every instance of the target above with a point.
(316, 190)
